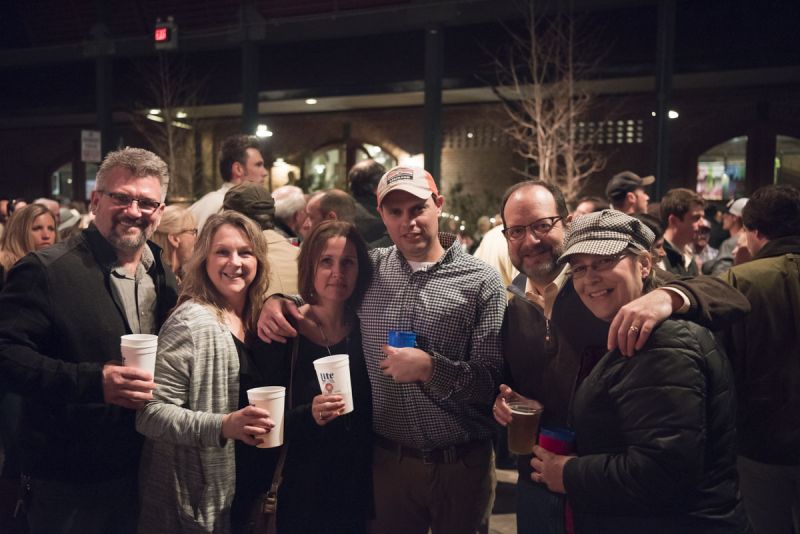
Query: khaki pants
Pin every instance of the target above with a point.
(411, 496)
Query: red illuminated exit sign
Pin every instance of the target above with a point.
(165, 35)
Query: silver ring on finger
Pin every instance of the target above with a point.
(634, 329)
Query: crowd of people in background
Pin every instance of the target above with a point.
(660, 341)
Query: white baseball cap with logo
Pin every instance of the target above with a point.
(414, 180)
(735, 207)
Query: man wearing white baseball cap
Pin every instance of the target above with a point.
(433, 464)
(732, 222)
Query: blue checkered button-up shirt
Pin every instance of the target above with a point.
(456, 309)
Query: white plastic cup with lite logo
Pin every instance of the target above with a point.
(272, 399)
(333, 373)
(139, 351)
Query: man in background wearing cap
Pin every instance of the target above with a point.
(625, 191)
(239, 161)
(433, 463)
(254, 201)
(681, 212)
(732, 222)
(765, 352)
(551, 340)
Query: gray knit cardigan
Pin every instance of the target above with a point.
(187, 474)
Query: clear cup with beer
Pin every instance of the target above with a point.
(523, 429)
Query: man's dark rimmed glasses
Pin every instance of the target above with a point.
(604, 263)
(539, 228)
(121, 200)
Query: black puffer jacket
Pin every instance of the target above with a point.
(656, 440)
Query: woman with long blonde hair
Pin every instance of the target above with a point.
(203, 370)
(29, 229)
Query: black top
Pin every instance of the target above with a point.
(327, 479)
(254, 466)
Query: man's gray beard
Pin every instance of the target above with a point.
(129, 244)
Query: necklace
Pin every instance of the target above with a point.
(325, 341)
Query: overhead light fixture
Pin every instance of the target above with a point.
(470, 135)
(155, 112)
(179, 124)
(672, 114)
(181, 115)
(155, 118)
(262, 131)
(311, 101)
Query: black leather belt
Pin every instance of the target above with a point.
(444, 455)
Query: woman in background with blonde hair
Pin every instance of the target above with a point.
(29, 228)
(176, 235)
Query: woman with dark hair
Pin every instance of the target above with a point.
(327, 479)
(29, 228)
(655, 432)
(203, 370)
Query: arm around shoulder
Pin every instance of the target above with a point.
(713, 303)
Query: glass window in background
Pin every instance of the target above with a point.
(367, 151)
(325, 168)
(787, 160)
(721, 170)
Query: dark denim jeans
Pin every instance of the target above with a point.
(539, 511)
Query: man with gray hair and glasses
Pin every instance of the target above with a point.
(62, 312)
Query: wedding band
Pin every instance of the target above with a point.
(634, 329)
(322, 417)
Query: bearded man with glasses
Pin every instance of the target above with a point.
(62, 313)
(551, 340)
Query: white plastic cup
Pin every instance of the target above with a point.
(139, 340)
(140, 358)
(272, 399)
(333, 373)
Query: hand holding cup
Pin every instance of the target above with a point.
(326, 408)
(246, 424)
(127, 386)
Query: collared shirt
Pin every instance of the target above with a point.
(456, 308)
(137, 294)
(209, 204)
(546, 300)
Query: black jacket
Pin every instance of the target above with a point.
(655, 436)
(674, 262)
(59, 324)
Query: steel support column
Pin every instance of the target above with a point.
(433, 101)
(666, 52)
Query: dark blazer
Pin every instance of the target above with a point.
(59, 324)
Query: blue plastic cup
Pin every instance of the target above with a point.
(400, 339)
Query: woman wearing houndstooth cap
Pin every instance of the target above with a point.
(654, 433)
